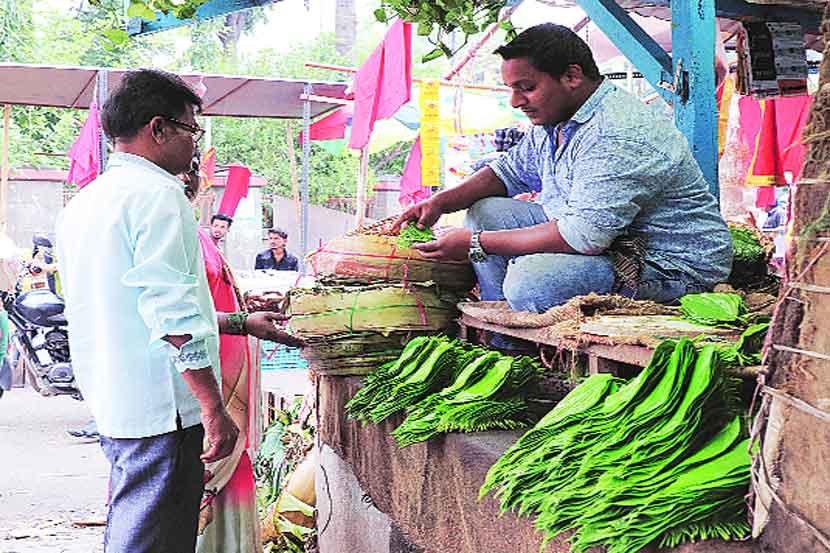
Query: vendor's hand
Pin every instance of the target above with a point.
(424, 214)
(452, 245)
(221, 433)
(263, 324)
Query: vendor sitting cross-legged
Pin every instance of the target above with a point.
(622, 206)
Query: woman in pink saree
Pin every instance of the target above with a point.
(229, 521)
(228, 518)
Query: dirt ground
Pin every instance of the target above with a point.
(51, 485)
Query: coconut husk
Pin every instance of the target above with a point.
(325, 311)
(371, 258)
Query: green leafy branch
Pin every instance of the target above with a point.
(146, 9)
(437, 19)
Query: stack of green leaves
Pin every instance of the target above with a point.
(747, 350)
(486, 395)
(750, 264)
(714, 309)
(446, 386)
(746, 245)
(425, 366)
(659, 458)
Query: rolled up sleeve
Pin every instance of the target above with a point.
(615, 178)
(166, 261)
(517, 168)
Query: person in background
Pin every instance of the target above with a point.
(220, 224)
(623, 206)
(142, 327)
(276, 257)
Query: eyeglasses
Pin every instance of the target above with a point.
(195, 130)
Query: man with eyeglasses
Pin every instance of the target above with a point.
(143, 329)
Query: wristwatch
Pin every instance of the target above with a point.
(476, 253)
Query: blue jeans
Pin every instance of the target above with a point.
(156, 486)
(537, 282)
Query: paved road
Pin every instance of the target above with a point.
(49, 482)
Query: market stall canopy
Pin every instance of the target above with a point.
(232, 96)
(654, 16)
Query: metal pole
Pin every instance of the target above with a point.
(4, 169)
(306, 155)
(101, 93)
(362, 183)
(208, 133)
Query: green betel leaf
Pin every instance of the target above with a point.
(411, 234)
(380, 15)
(713, 309)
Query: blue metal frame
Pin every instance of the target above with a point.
(686, 79)
(214, 8)
(693, 46)
(641, 50)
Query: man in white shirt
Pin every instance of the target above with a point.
(143, 330)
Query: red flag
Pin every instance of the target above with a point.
(411, 190)
(766, 169)
(236, 187)
(85, 154)
(383, 83)
(777, 145)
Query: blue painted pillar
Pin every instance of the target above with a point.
(693, 46)
(635, 44)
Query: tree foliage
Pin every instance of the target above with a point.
(74, 38)
(437, 20)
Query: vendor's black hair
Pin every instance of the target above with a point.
(551, 48)
(279, 232)
(142, 95)
(222, 217)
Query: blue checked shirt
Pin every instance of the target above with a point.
(132, 272)
(623, 167)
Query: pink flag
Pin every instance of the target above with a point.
(383, 83)
(331, 126)
(411, 190)
(85, 154)
(236, 187)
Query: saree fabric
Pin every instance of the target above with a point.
(229, 520)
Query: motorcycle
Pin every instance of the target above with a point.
(40, 341)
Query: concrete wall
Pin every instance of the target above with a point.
(248, 237)
(34, 204)
(33, 207)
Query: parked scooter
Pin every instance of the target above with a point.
(40, 340)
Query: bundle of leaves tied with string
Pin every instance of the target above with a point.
(661, 459)
(376, 253)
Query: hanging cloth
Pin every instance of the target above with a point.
(85, 154)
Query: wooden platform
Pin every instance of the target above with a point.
(596, 333)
